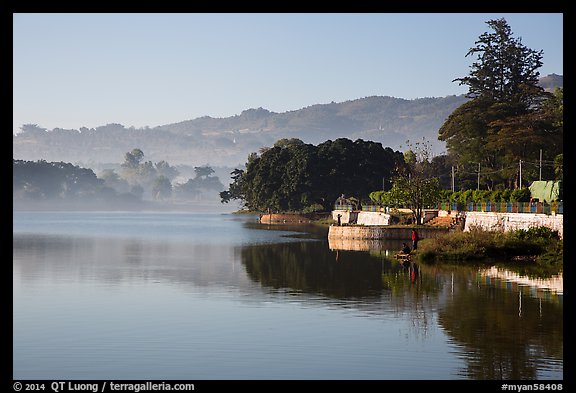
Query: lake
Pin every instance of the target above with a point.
(211, 296)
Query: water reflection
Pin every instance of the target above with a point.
(504, 335)
(499, 333)
(310, 267)
(387, 246)
(549, 288)
(494, 327)
(130, 261)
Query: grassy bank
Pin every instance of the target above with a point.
(539, 248)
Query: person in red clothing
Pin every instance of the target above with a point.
(414, 239)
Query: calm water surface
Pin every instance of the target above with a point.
(113, 295)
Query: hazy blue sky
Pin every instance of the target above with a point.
(91, 69)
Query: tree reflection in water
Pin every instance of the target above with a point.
(308, 267)
(483, 322)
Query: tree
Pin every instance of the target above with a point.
(295, 176)
(162, 188)
(114, 181)
(287, 142)
(558, 166)
(505, 70)
(510, 117)
(236, 188)
(203, 171)
(132, 159)
(415, 185)
(203, 186)
(164, 169)
(33, 129)
(53, 180)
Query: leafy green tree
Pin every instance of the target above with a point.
(294, 176)
(287, 142)
(354, 169)
(510, 117)
(236, 188)
(520, 195)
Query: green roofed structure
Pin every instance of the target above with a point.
(546, 190)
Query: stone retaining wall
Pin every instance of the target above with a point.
(485, 220)
(361, 217)
(513, 221)
(382, 232)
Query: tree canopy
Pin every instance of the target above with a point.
(293, 175)
(510, 119)
(505, 70)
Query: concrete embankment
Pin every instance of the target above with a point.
(382, 232)
(372, 225)
(361, 217)
(513, 221)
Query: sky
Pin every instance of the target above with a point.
(73, 70)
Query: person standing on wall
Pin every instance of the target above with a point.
(414, 239)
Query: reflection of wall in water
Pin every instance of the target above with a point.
(551, 289)
(393, 246)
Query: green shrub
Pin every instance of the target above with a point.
(313, 208)
(520, 195)
(543, 244)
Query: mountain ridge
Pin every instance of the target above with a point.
(228, 141)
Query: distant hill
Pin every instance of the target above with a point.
(551, 82)
(228, 141)
(389, 120)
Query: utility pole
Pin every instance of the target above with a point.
(478, 177)
(520, 185)
(452, 178)
(540, 165)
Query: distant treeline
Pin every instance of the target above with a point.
(136, 183)
(43, 182)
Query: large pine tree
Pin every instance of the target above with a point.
(509, 112)
(505, 70)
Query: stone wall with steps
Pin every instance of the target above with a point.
(484, 220)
